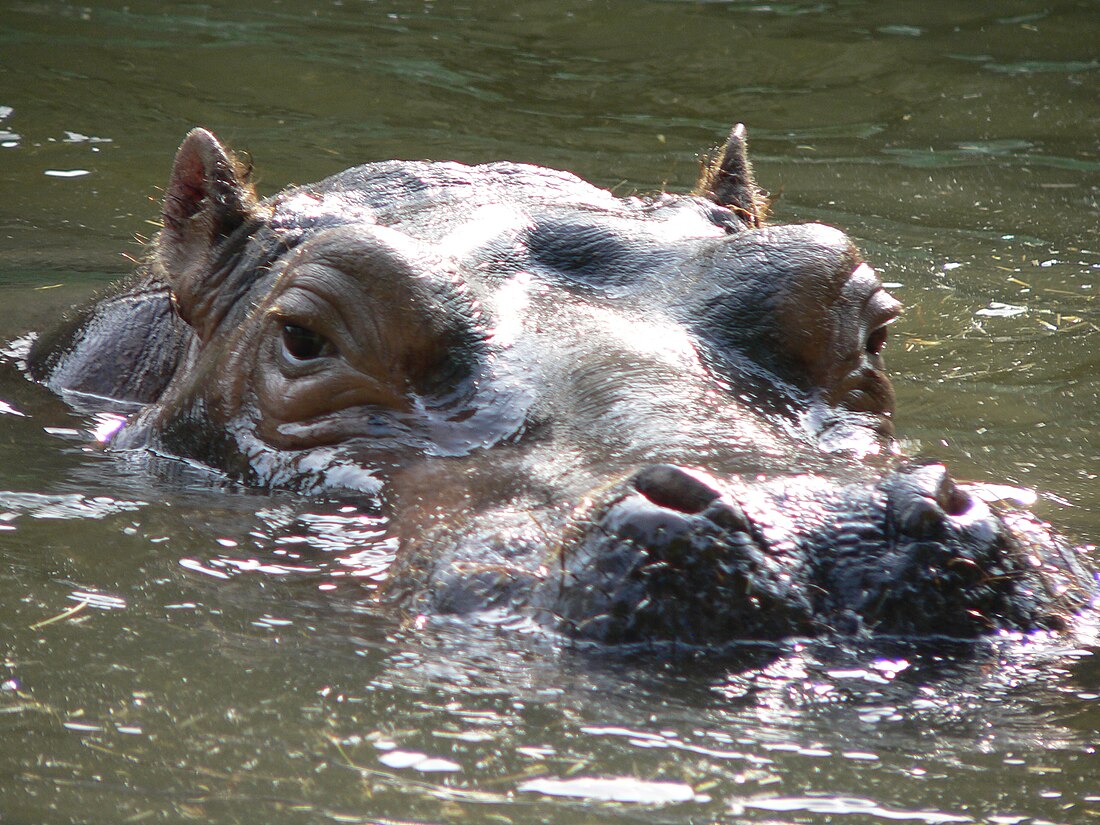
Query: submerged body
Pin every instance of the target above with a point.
(630, 420)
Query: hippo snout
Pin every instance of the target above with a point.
(684, 556)
(954, 566)
(676, 558)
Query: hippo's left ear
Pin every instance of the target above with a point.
(208, 197)
(728, 181)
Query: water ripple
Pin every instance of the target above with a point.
(71, 506)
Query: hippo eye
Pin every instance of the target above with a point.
(876, 341)
(303, 344)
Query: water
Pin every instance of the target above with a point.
(173, 650)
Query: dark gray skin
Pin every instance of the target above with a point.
(629, 420)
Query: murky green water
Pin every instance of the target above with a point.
(173, 652)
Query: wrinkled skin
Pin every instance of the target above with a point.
(628, 420)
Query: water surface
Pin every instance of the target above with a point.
(176, 649)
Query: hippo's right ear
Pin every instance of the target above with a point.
(208, 197)
(728, 180)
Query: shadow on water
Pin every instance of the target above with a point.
(176, 648)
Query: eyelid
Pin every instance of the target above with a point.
(281, 316)
(882, 309)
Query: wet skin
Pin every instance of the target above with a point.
(628, 420)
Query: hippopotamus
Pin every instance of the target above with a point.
(626, 420)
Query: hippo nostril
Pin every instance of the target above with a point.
(932, 506)
(667, 485)
(922, 519)
(951, 499)
(932, 497)
(729, 516)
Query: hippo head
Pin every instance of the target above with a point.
(630, 419)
